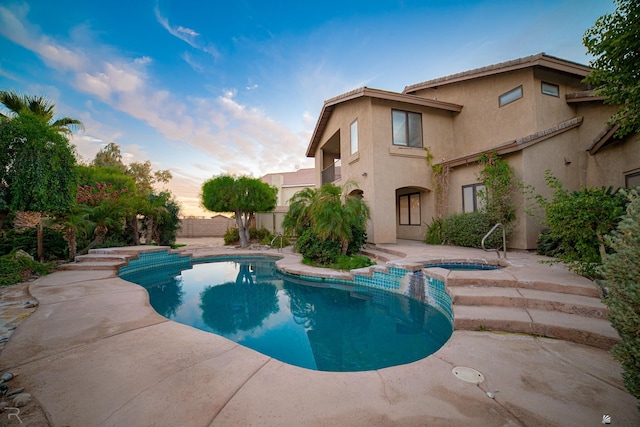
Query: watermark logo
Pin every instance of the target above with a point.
(606, 419)
(13, 412)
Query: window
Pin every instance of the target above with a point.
(409, 205)
(354, 136)
(407, 128)
(512, 95)
(632, 180)
(550, 89)
(470, 200)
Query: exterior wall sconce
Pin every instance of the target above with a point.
(567, 161)
(364, 174)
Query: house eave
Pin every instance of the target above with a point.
(330, 104)
(516, 144)
(538, 60)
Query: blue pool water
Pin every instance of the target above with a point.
(326, 327)
(463, 266)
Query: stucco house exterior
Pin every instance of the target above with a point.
(535, 112)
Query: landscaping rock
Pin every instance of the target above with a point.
(22, 399)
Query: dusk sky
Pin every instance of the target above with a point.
(209, 87)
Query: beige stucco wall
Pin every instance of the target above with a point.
(482, 123)
(383, 171)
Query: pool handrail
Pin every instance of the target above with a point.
(504, 240)
(274, 238)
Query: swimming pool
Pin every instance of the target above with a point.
(463, 266)
(312, 324)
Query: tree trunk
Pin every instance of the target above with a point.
(40, 241)
(149, 237)
(3, 215)
(244, 242)
(134, 228)
(100, 233)
(72, 242)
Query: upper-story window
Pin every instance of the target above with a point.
(550, 89)
(354, 136)
(407, 128)
(509, 97)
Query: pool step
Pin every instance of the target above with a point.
(502, 279)
(569, 327)
(111, 258)
(102, 265)
(378, 256)
(97, 258)
(528, 299)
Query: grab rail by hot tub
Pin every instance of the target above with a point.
(504, 240)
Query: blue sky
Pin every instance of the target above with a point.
(209, 87)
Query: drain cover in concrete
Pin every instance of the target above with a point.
(469, 375)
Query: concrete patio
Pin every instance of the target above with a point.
(95, 353)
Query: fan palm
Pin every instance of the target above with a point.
(330, 211)
(39, 106)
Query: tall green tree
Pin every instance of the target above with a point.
(614, 41)
(109, 156)
(38, 169)
(621, 270)
(40, 107)
(31, 134)
(244, 196)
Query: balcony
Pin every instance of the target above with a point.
(331, 173)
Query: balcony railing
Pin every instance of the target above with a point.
(331, 173)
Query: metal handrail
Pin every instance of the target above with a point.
(504, 241)
(274, 238)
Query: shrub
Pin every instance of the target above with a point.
(317, 250)
(464, 229)
(621, 271)
(54, 245)
(497, 177)
(547, 244)
(358, 239)
(435, 232)
(578, 222)
(231, 236)
(15, 268)
(259, 234)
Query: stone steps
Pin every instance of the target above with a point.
(109, 258)
(568, 311)
(528, 299)
(569, 327)
(88, 266)
(378, 255)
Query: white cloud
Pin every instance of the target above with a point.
(226, 135)
(187, 35)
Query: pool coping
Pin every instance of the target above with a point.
(81, 355)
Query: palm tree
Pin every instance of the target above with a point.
(44, 109)
(330, 211)
(39, 106)
(74, 222)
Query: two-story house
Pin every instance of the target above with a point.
(535, 112)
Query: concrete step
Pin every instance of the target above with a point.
(93, 257)
(554, 324)
(500, 278)
(104, 265)
(378, 256)
(530, 299)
